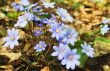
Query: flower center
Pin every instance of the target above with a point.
(69, 36)
(57, 30)
(12, 38)
(71, 57)
(40, 46)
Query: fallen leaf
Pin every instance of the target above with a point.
(45, 69)
(12, 56)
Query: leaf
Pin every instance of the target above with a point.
(26, 47)
(21, 34)
(2, 31)
(12, 56)
(1, 41)
(12, 15)
(6, 68)
(101, 46)
(45, 69)
(83, 60)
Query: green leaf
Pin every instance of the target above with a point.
(83, 60)
(101, 46)
(12, 15)
(102, 39)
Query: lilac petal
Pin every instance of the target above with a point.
(12, 45)
(60, 57)
(6, 44)
(64, 62)
(72, 66)
(54, 54)
(68, 65)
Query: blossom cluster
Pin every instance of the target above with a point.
(64, 34)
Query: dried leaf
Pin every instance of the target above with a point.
(12, 56)
(6, 68)
(101, 46)
(45, 69)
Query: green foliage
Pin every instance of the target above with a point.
(12, 15)
(102, 39)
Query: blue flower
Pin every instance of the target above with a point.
(25, 2)
(56, 30)
(50, 21)
(60, 51)
(47, 4)
(70, 36)
(23, 20)
(41, 46)
(30, 7)
(106, 20)
(64, 15)
(87, 49)
(38, 33)
(71, 59)
(38, 10)
(12, 38)
(104, 29)
(17, 7)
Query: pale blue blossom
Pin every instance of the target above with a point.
(17, 7)
(41, 46)
(71, 59)
(23, 20)
(47, 4)
(70, 36)
(57, 31)
(87, 49)
(104, 29)
(12, 38)
(106, 20)
(60, 51)
(25, 2)
(64, 15)
(50, 21)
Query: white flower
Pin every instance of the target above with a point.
(87, 49)
(25, 2)
(60, 51)
(71, 59)
(23, 20)
(47, 4)
(64, 15)
(12, 38)
(106, 20)
(104, 29)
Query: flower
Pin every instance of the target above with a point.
(60, 51)
(12, 38)
(70, 36)
(41, 46)
(30, 7)
(47, 4)
(71, 59)
(106, 20)
(64, 15)
(87, 49)
(17, 7)
(56, 30)
(38, 33)
(104, 29)
(38, 10)
(23, 20)
(50, 21)
(25, 2)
